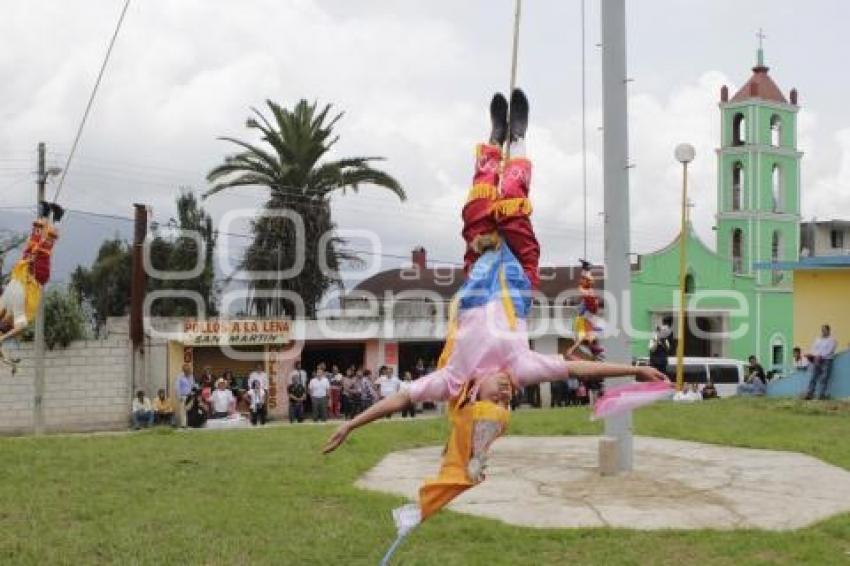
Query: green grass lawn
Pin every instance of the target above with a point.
(269, 497)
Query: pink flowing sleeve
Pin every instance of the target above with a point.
(432, 387)
(530, 367)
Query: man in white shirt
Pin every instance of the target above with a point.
(142, 411)
(823, 350)
(388, 384)
(222, 400)
(259, 375)
(319, 387)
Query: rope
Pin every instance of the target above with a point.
(514, 52)
(91, 100)
(393, 547)
(584, 125)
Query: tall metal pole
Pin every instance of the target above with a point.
(684, 154)
(38, 349)
(616, 185)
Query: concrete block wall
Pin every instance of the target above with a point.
(87, 387)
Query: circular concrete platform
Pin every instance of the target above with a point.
(554, 482)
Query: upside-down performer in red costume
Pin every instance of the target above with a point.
(22, 294)
(487, 355)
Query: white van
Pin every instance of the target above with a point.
(725, 373)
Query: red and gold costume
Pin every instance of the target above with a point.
(22, 294)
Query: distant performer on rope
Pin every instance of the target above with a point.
(20, 298)
(487, 356)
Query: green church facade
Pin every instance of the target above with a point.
(733, 309)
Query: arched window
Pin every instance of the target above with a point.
(737, 246)
(739, 129)
(776, 187)
(737, 184)
(775, 130)
(690, 283)
(776, 256)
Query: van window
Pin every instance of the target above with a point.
(693, 373)
(724, 374)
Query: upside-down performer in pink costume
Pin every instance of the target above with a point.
(487, 355)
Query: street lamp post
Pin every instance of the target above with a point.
(684, 153)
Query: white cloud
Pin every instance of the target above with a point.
(414, 84)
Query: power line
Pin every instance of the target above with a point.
(91, 100)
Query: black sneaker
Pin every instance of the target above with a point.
(498, 119)
(519, 115)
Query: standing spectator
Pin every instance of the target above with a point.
(222, 400)
(299, 374)
(800, 362)
(257, 402)
(367, 391)
(319, 388)
(336, 392)
(142, 411)
(572, 390)
(163, 409)
(661, 345)
(185, 381)
(259, 374)
(419, 369)
(297, 393)
(207, 378)
(348, 394)
(387, 384)
(581, 394)
(406, 382)
(823, 350)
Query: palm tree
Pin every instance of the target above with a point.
(292, 165)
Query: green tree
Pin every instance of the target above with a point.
(293, 165)
(64, 320)
(105, 286)
(181, 254)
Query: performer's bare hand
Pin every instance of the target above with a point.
(647, 373)
(336, 439)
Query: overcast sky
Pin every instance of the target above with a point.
(414, 79)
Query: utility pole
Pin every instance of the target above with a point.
(137, 296)
(38, 349)
(616, 199)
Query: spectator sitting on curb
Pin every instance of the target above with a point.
(163, 409)
(196, 414)
(709, 391)
(142, 412)
(755, 382)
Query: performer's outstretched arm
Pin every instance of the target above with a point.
(386, 406)
(532, 367)
(432, 387)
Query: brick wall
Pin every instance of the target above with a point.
(87, 387)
